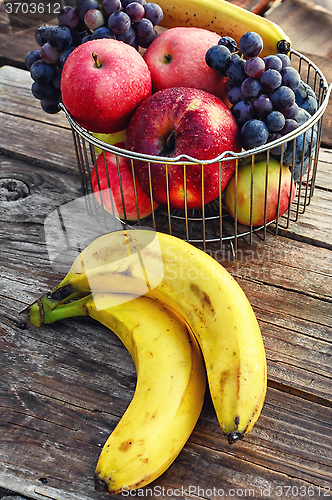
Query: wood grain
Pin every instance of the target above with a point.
(63, 387)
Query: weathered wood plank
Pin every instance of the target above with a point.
(38, 143)
(17, 99)
(53, 419)
(71, 349)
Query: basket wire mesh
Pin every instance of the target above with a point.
(211, 223)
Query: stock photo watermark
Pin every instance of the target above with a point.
(27, 14)
(258, 492)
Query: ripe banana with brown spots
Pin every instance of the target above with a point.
(223, 17)
(202, 293)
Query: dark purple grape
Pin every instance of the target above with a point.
(51, 105)
(144, 28)
(235, 70)
(43, 91)
(119, 22)
(301, 150)
(273, 62)
(68, 17)
(291, 112)
(251, 44)
(242, 112)
(135, 11)
(102, 32)
(254, 67)
(218, 57)
(302, 116)
(285, 60)
(290, 77)
(275, 121)
(127, 2)
(235, 95)
(42, 72)
(235, 56)
(82, 6)
(283, 97)
(41, 34)
(305, 97)
(31, 57)
(153, 12)
(231, 84)
(251, 88)
(310, 104)
(78, 33)
(228, 42)
(60, 38)
(110, 6)
(64, 55)
(128, 37)
(254, 133)
(48, 54)
(271, 79)
(262, 106)
(145, 41)
(87, 38)
(57, 79)
(298, 153)
(273, 137)
(289, 126)
(302, 92)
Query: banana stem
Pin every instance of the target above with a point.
(43, 310)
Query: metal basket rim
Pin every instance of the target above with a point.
(226, 155)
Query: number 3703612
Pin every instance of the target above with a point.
(303, 491)
(32, 8)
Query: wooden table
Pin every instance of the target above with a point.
(65, 386)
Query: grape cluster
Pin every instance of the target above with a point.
(267, 95)
(130, 21)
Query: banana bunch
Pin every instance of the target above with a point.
(223, 17)
(136, 282)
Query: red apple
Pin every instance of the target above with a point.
(102, 83)
(179, 121)
(176, 58)
(106, 187)
(287, 192)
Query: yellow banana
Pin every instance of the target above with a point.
(169, 394)
(223, 17)
(203, 293)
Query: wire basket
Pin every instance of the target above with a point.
(211, 224)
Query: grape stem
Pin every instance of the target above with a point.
(97, 62)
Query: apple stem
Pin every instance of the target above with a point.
(97, 62)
